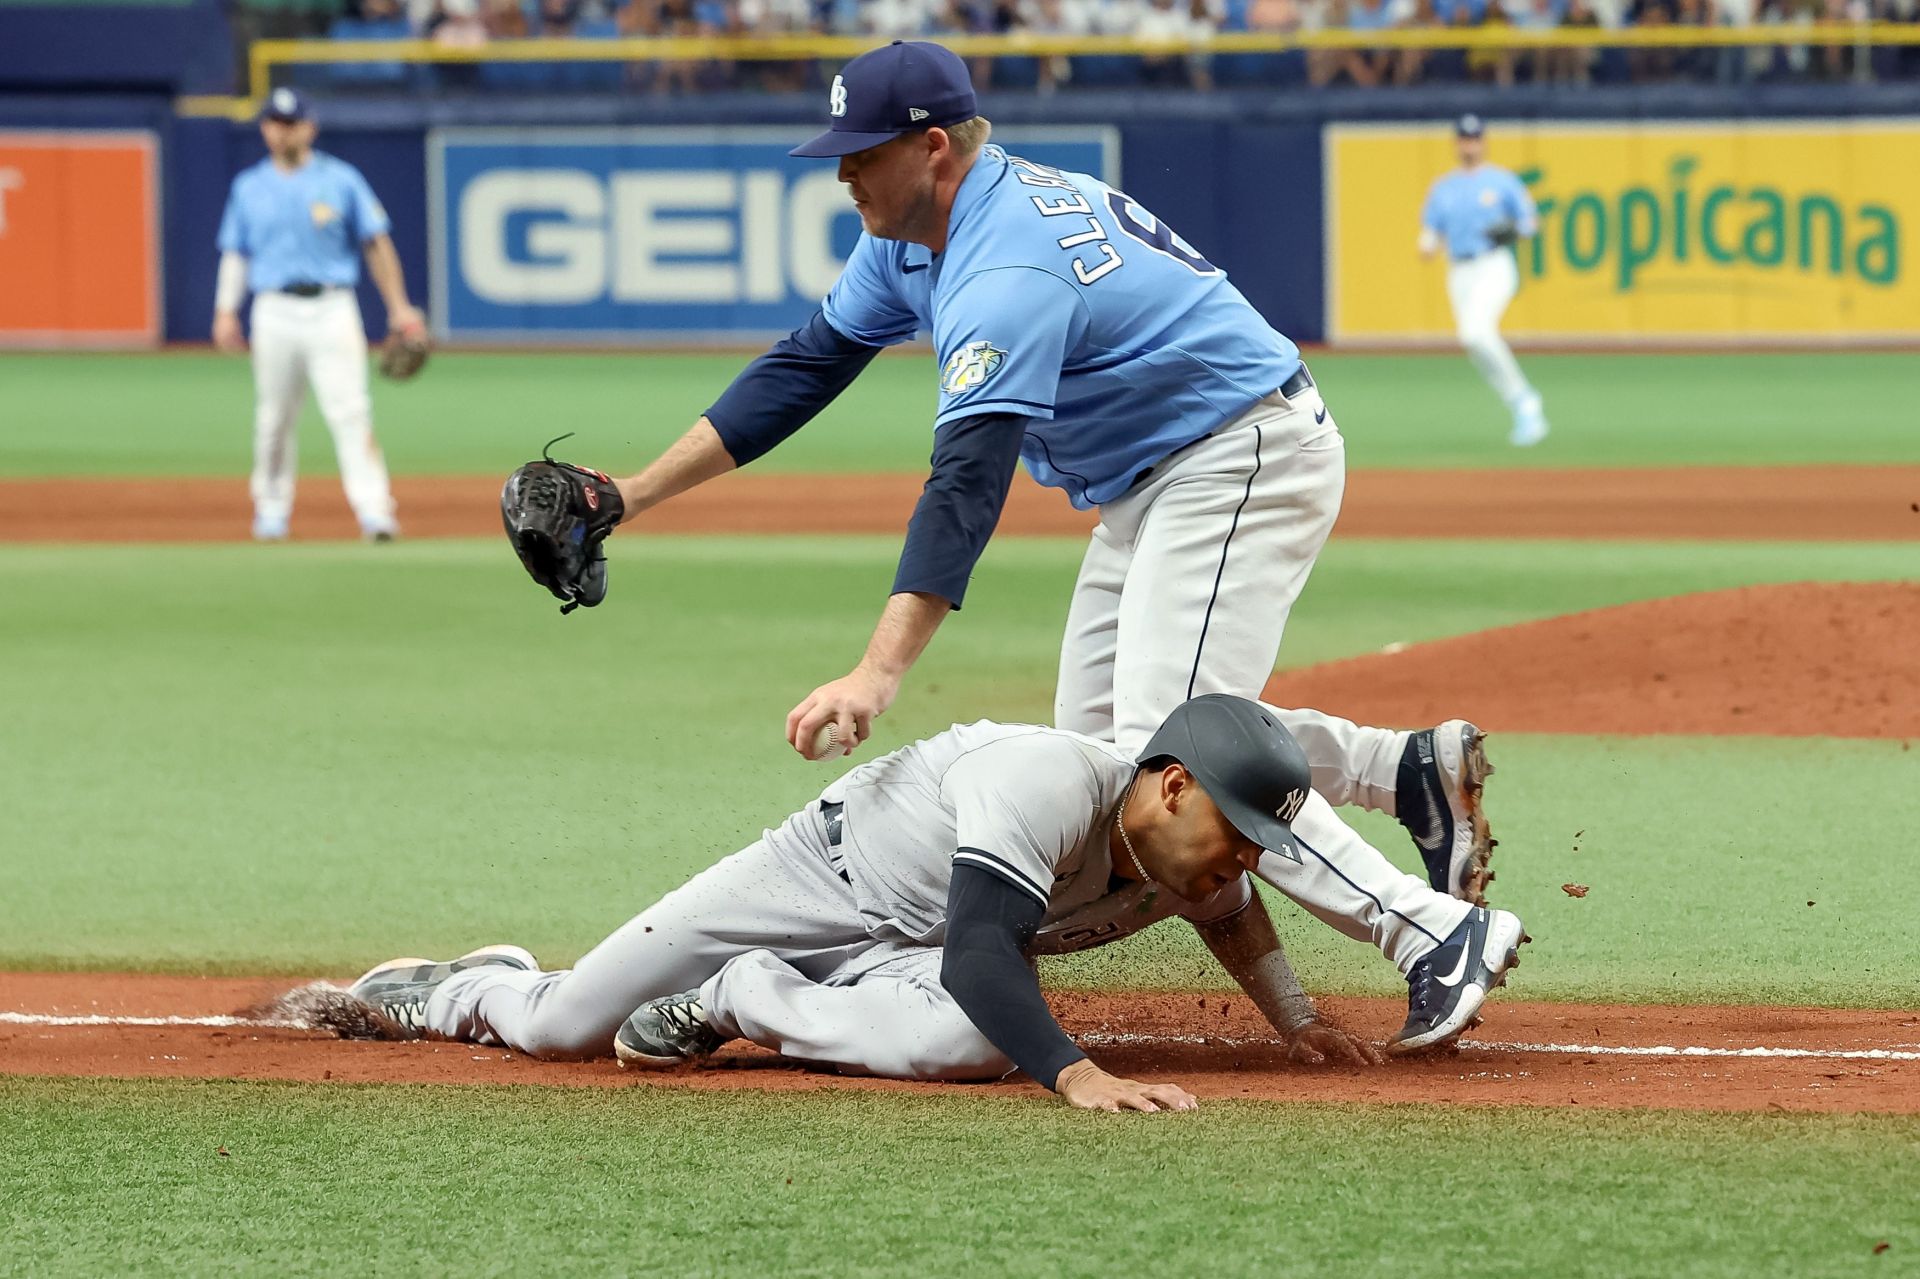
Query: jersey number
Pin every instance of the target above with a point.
(1155, 234)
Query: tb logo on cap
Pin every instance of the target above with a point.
(837, 98)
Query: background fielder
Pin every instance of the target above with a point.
(1476, 213)
(292, 234)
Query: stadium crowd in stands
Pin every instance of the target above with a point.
(476, 22)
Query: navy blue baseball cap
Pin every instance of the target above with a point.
(286, 106)
(1469, 126)
(896, 89)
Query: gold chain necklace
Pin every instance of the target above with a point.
(1127, 840)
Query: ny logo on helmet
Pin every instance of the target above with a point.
(1296, 799)
(837, 98)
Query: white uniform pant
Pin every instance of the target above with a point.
(1185, 589)
(772, 939)
(315, 341)
(1481, 288)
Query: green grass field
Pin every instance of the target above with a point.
(302, 758)
(190, 413)
(510, 1181)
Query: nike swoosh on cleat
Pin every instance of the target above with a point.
(1459, 969)
(1437, 832)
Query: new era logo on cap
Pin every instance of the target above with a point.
(900, 87)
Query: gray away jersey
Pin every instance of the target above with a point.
(1030, 804)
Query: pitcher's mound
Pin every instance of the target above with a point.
(1810, 659)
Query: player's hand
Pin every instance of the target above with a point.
(226, 332)
(407, 318)
(851, 703)
(1316, 1042)
(1087, 1087)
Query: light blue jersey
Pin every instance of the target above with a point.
(1464, 204)
(1061, 300)
(304, 227)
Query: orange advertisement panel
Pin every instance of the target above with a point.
(79, 247)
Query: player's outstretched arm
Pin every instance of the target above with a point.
(1249, 949)
(990, 922)
(692, 460)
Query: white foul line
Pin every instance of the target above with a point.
(48, 1019)
(1114, 1039)
(1108, 1039)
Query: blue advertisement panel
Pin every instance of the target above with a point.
(652, 233)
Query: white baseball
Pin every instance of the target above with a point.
(826, 742)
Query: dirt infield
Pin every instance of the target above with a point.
(1810, 659)
(1745, 503)
(1714, 1058)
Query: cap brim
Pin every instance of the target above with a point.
(836, 143)
(1262, 827)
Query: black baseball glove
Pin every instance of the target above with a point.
(557, 517)
(1504, 233)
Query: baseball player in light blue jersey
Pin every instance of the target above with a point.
(295, 227)
(1078, 333)
(1476, 213)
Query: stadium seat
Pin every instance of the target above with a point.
(594, 76)
(369, 74)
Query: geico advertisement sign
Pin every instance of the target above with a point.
(1764, 230)
(648, 232)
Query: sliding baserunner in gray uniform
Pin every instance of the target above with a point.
(889, 927)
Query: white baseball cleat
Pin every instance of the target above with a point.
(400, 988)
(1529, 423)
(266, 529)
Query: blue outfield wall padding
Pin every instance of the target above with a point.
(1237, 172)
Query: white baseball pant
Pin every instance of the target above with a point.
(315, 341)
(1185, 589)
(773, 940)
(1481, 288)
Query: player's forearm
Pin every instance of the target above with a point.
(906, 628)
(383, 263)
(1248, 948)
(693, 459)
(230, 285)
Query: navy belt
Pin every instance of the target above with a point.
(303, 289)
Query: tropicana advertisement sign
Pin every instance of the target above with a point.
(1690, 232)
